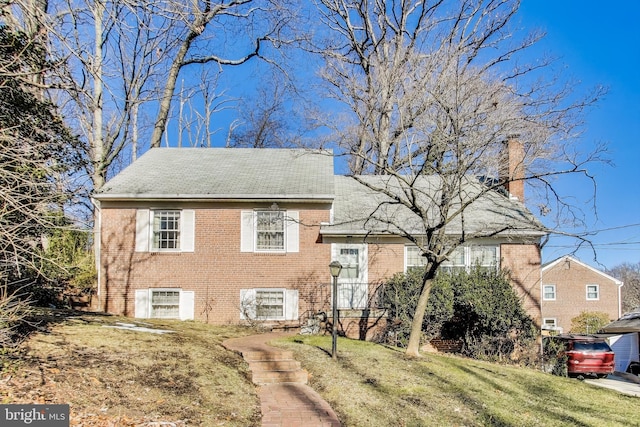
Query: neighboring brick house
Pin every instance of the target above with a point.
(227, 235)
(570, 287)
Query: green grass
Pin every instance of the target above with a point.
(373, 385)
(125, 378)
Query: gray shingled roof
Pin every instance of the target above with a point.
(630, 322)
(224, 173)
(359, 209)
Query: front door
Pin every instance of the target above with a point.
(353, 279)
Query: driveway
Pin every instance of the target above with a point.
(622, 382)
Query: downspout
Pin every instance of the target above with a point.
(97, 242)
(620, 299)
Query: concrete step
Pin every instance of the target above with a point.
(258, 356)
(274, 365)
(278, 377)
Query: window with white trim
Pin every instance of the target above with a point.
(269, 230)
(269, 304)
(164, 303)
(457, 260)
(549, 292)
(483, 256)
(349, 258)
(593, 292)
(165, 230)
(468, 256)
(549, 323)
(413, 258)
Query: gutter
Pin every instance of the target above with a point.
(228, 198)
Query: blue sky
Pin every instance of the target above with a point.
(599, 43)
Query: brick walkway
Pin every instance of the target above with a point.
(285, 398)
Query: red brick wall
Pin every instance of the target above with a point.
(571, 280)
(216, 270)
(522, 260)
(524, 263)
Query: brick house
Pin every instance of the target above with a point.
(570, 287)
(229, 235)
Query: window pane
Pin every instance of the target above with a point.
(165, 304)
(485, 256)
(592, 291)
(349, 258)
(455, 261)
(549, 292)
(166, 230)
(414, 258)
(269, 304)
(269, 230)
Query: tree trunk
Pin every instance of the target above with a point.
(170, 86)
(413, 348)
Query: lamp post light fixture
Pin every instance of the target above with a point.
(335, 267)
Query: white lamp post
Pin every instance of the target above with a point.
(335, 267)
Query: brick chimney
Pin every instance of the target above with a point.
(514, 181)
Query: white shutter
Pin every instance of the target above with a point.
(293, 231)
(291, 304)
(247, 303)
(142, 304)
(142, 230)
(187, 230)
(246, 231)
(187, 303)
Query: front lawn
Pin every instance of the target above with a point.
(372, 385)
(123, 377)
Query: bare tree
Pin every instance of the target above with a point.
(198, 108)
(205, 22)
(629, 273)
(117, 63)
(264, 119)
(434, 94)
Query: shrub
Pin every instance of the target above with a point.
(400, 297)
(478, 307)
(589, 322)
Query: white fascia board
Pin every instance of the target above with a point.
(306, 198)
(587, 266)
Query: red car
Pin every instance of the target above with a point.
(585, 355)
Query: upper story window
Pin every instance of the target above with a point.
(468, 256)
(549, 292)
(275, 231)
(165, 230)
(457, 260)
(270, 231)
(413, 258)
(593, 292)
